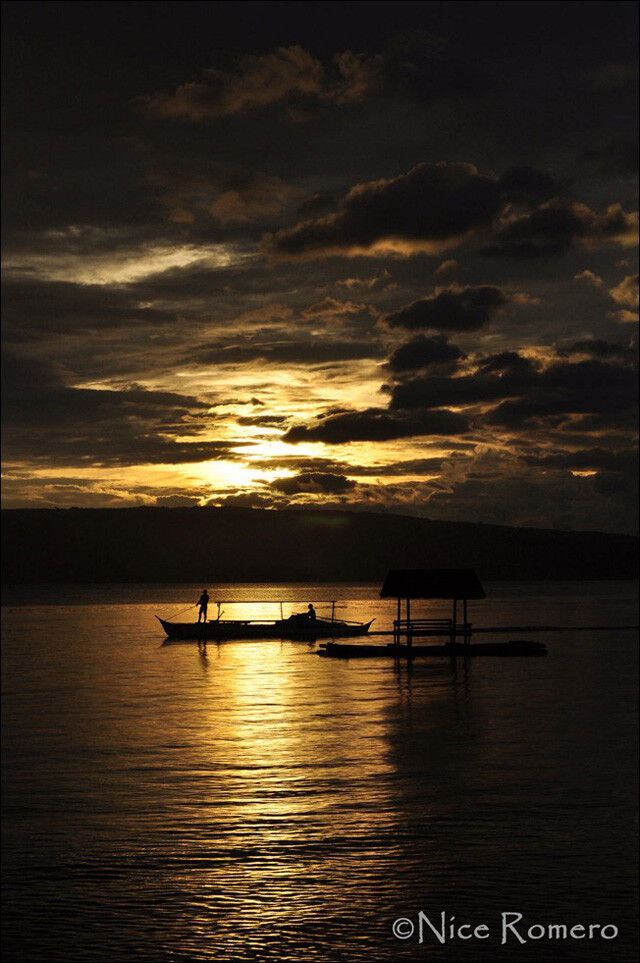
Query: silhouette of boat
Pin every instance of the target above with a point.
(298, 626)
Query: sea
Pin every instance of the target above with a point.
(250, 801)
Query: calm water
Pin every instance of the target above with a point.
(256, 802)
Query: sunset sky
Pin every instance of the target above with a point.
(378, 256)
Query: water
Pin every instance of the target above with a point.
(256, 802)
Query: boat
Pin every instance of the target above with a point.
(297, 626)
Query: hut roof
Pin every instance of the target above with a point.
(432, 583)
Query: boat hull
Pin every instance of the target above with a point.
(273, 629)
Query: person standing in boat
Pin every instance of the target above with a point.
(311, 615)
(203, 602)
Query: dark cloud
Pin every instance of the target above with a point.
(560, 389)
(598, 348)
(510, 495)
(613, 483)
(267, 421)
(410, 466)
(376, 424)
(432, 204)
(592, 459)
(553, 227)
(315, 202)
(424, 352)
(35, 306)
(527, 184)
(465, 309)
(49, 421)
(246, 500)
(261, 197)
(618, 157)
(436, 391)
(418, 66)
(316, 482)
(252, 82)
(506, 361)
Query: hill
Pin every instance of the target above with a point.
(208, 545)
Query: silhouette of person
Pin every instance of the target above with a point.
(312, 614)
(203, 602)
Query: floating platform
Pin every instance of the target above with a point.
(338, 650)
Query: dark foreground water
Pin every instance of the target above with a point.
(256, 802)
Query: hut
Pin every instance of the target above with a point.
(457, 584)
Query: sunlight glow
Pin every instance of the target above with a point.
(117, 266)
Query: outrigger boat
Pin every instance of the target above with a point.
(297, 626)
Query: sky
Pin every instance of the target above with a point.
(370, 256)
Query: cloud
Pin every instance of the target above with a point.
(245, 500)
(451, 309)
(320, 201)
(511, 494)
(589, 278)
(48, 421)
(32, 307)
(594, 459)
(617, 158)
(267, 421)
(315, 482)
(560, 389)
(377, 282)
(527, 184)
(434, 207)
(422, 353)
(376, 424)
(254, 81)
(424, 210)
(332, 308)
(307, 352)
(598, 348)
(553, 227)
(447, 267)
(263, 196)
(626, 292)
(506, 361)
(288, 75)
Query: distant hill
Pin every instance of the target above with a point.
(208, 545)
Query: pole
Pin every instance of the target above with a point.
(396, 630)
(455, 619)
(466, 630)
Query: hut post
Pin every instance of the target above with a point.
(466, 629)
(409, 638)
(281, 613)
(397, 625)
(333, 611)
(455, 620)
